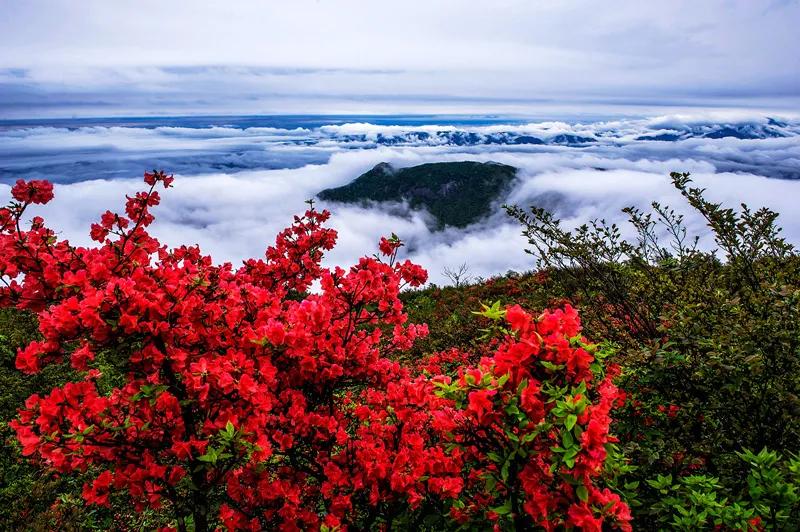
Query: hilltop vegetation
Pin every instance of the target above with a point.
(198, 396)
(709, 344)
(174, 393)
(456, 194)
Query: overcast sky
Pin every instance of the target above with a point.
(97, 57)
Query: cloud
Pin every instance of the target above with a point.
(749, 142)
(234, 214)
(96, 57)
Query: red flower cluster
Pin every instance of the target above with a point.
(32, 191)
(250, 401)
(531, 426)
(671, 410)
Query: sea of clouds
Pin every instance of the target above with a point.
(237, 186)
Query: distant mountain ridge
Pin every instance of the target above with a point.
(457, 194)
(562, 134)
(62, 149)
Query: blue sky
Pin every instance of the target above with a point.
(94, 57)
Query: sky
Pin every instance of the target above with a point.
(101, 58)
(720, 78)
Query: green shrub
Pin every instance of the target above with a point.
(709, 340)
(33, 498)
(767, 500)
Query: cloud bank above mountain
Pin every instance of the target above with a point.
(64, 58)
(233, 213)
(739, 141)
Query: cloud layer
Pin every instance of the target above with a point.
(63, 58)
(71, 151)
(234, 213)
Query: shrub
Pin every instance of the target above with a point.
(206, 395)
(711, 339)
(767, 500)
(531, 425)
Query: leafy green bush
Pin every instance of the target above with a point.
(31, 497)
(767, 500)
(710, 340)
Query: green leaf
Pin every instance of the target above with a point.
(571, 420)
(567, 439)
(551, 366)
(494, 457)
(505, 509)
(582, 493)
(504, 471)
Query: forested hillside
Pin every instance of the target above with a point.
(456, 194)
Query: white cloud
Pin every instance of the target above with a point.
(252, 56)
(234, 216)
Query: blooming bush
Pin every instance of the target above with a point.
(531, 425)
(710, 338)
(234, 396)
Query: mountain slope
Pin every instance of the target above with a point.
(456, 194)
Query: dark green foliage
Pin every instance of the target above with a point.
(456, 194)
(625, 286)
(27, 493)
(768, 496)
(714, 336)
(709, 343)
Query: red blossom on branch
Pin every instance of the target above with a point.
(251, 402)
(32, 191)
